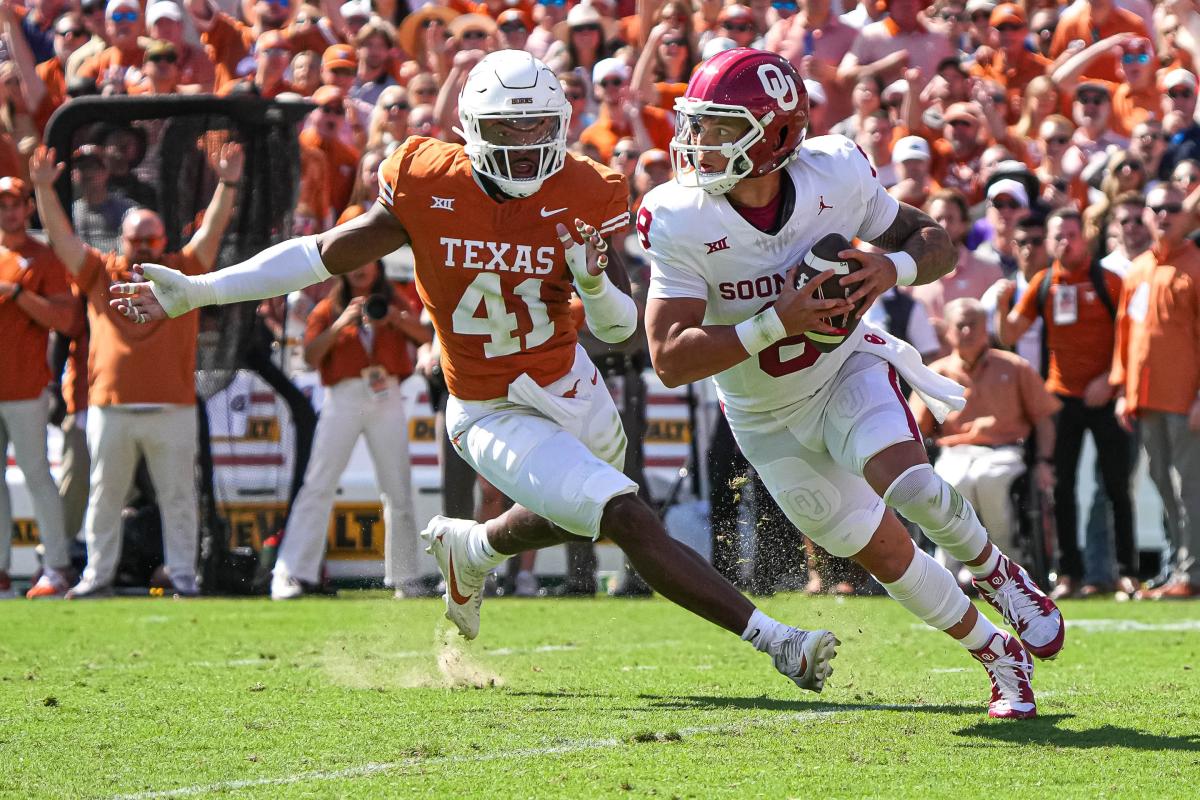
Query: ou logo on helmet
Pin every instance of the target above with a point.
(780, 87)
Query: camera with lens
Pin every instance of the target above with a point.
(376, 307)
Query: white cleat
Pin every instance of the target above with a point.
(804, 657)
(447, 542)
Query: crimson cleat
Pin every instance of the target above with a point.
(1025, 607)
(1011, 670)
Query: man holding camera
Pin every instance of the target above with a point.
(358, 337)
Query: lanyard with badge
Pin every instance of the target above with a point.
(1066, 304)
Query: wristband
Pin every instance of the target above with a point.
(906, 267)
(760, 331)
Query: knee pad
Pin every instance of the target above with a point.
(929, 591)
(924, 497)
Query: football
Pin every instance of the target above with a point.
(823, 256)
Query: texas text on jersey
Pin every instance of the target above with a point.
(492, 273)
(702, 248)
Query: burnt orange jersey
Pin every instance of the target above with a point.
(493, 274)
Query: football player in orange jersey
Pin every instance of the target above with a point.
(495, 266)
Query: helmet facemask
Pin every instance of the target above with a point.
(687, 154)
(501, 144)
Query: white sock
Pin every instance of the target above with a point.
(988, 566)
(979, 635)
(762, 631)
(480, 553)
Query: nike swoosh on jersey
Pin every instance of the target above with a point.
(552, 212)
(455, 594)
(594, 377)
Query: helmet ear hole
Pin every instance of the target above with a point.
(783, 136)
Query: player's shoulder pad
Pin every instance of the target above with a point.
(421, 158)
(669, 217)
(836, 155)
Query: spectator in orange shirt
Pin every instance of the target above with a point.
(1059, 188)
(1013, 65)
(271, 54)
(123, 25)
(1135, 96)
(230, 41)
(92, 12)
(34, 298)
(341, 158)
(43, 85)
(982, 446)
(620, 115)
(358, 337)
(1156, 369)
(164, 20)
(142, 390)
(1090, 21)
(1078, 311)
(339, 68)
(664, 66)
(957, 154)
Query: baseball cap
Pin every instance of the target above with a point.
(965, 111)
(610, 66)
(355, 8)
(1178, 77)
(975, 6)
(717, 44)
(328, 95)
(88, 152)
(1010, 187)
(163, 9)
(14, 186)
(911, 148)
(734, 12)
(1008, 12)
(1092, 84)
(339, 56)
(513, 15)
(653, 156)
(116, 5)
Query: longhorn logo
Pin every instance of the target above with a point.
(781, 88)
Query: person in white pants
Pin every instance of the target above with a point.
(34, 299)
(141, 379)
(358, 338)
(982, 446)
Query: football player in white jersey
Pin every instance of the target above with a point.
(830, 433)
(554, 445)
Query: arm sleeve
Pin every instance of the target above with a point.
(879, 207)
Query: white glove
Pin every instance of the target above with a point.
(176, 293)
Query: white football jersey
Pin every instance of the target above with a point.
(701, 248)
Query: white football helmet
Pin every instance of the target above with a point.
(514, 86)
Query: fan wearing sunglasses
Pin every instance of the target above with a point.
(620, 115)
(43, 85)
(1013, 64)
(325, 134)
(1135, 95)
(1090, 21)
(123, 24)
(160, 71)
(232, 41)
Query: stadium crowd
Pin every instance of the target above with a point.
(1057, 144)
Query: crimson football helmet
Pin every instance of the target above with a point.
(761, 88)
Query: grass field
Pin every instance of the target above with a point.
(367, 697)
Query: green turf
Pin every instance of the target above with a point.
(360, 697)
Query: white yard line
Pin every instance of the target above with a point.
(577, 746)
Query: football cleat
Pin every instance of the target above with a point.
(804, 657)
(447, 542)
(1011, 670)
(1025, 607)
